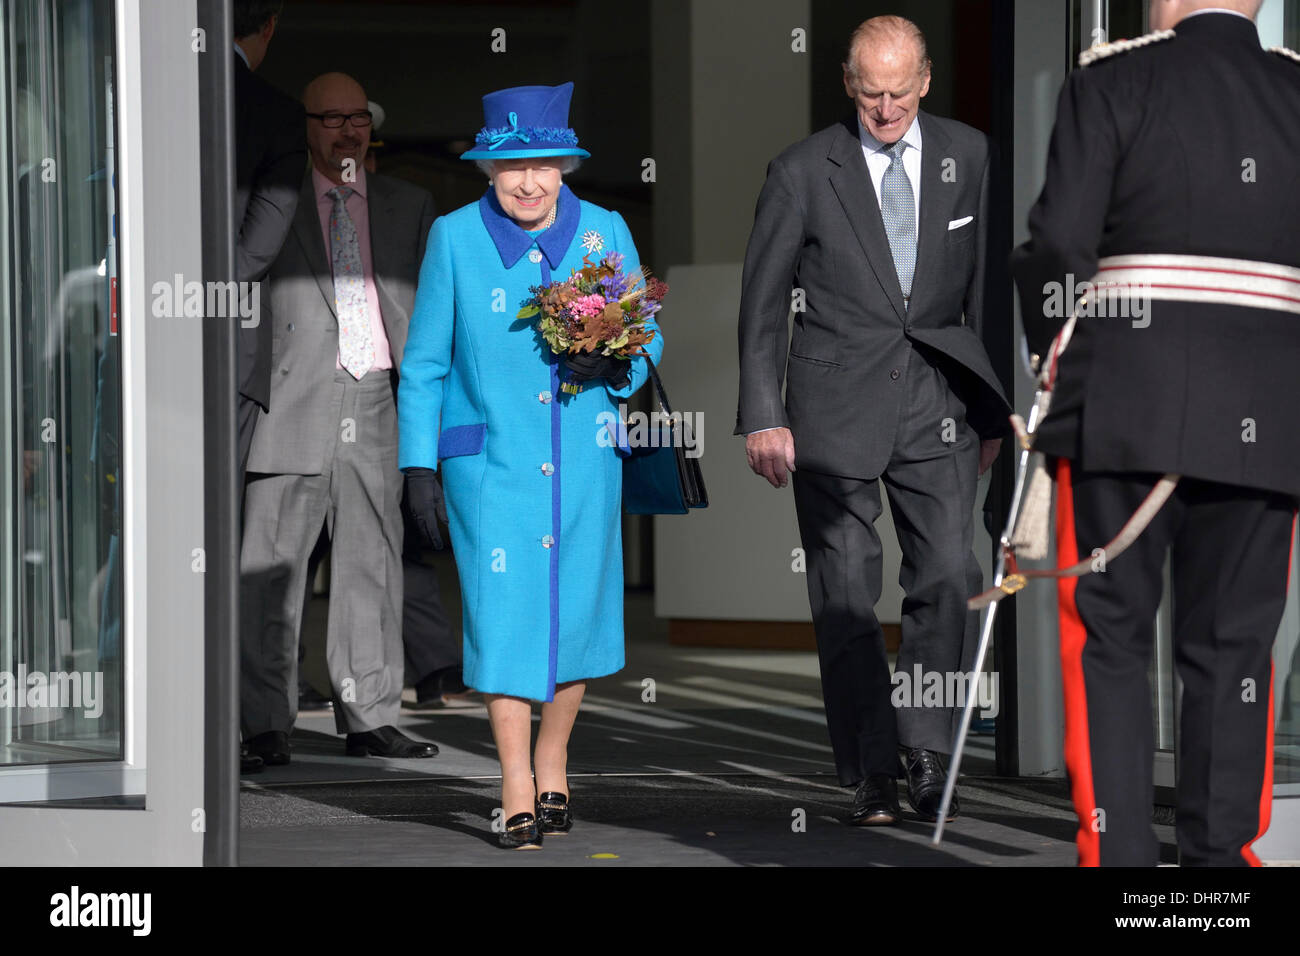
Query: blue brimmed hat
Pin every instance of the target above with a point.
(526, 121)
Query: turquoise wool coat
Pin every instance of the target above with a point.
(532, 482)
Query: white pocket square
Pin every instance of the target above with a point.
(958, 223)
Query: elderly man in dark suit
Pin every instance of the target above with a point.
(326, 452)
(876, 227)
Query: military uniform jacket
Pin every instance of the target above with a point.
(1189, 145)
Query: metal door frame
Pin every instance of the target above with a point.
(159, 187)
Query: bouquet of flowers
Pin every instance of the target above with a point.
(598, 310)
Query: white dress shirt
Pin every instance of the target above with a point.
(877, 157)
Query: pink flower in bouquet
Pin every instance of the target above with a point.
(587, 305)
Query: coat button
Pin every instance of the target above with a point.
(290, 326)
(895, 373)
(548, 469)
(535, 256)
(544, 397)
(547, 541)
(284, 371)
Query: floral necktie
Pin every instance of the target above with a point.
(356, 351)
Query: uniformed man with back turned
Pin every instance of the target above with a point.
(1172, 187)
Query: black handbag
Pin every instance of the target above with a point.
(658, 477)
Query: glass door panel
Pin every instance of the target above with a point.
(60, 670)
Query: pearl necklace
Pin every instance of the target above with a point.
(550, 217)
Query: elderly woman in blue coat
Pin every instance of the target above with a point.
(533, 485)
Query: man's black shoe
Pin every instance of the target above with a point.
(876, 802)
(428, 689)
(388, 742)
(272, 747)
(453, 681)
(925, 782)
(249, 763)
(442, 688)
(310, 699)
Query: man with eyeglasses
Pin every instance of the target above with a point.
(325, 454)
(361, 119)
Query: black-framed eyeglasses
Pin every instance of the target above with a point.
(335, 120)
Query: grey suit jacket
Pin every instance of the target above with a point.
(818, 228)
(294, 437)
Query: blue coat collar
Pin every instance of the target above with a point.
(512, 241)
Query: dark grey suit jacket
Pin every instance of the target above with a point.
(293, 437)
(270, 155)
(818, 228)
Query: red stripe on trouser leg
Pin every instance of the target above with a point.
(1078, 754)
(1266, 791)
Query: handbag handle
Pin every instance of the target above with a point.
(659, 386)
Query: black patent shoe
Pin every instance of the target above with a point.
(553, 814)
(876, 802)
(521, 833)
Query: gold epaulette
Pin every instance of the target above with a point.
(1103, 50)
(1283, 51)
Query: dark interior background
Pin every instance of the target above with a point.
(428, 63)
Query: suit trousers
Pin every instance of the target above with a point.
(358, 498)
(245, 423)
(427, 635)
(930, 479)
(1229, 550)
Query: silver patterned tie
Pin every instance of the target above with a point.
(898, 207)
(356, 350)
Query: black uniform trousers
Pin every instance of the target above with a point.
(1230, 556)
(931, 479)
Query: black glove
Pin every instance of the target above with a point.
(589, 365)
(424, 502)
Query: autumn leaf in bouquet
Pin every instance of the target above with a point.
(598, 310)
